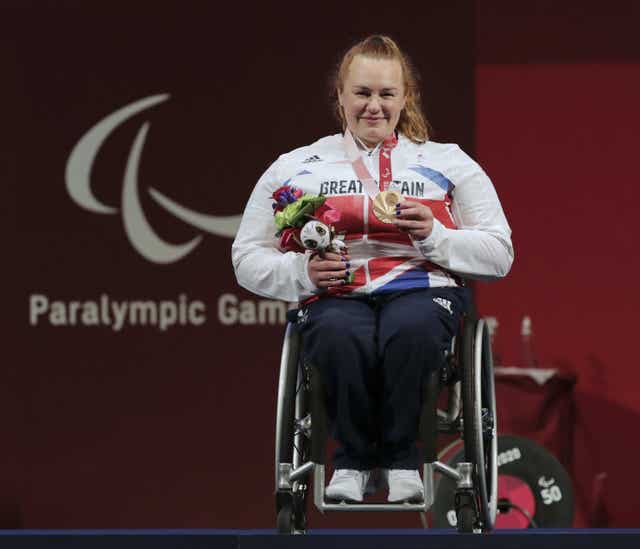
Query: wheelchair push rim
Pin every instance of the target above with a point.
(480, 421)
(292, 444)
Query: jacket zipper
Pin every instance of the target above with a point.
(365, 217)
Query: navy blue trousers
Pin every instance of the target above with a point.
(373, 353)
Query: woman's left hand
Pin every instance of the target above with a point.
(414, 218)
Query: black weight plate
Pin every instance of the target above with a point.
(527, 461)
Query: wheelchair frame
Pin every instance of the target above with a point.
(471, 413)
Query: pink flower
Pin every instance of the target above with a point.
(290, 241)
(328, 215)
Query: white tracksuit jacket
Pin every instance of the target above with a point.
(471, 237)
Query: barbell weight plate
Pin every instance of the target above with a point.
(528, 475)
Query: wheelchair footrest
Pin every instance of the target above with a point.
(343, 506)
(322, 505)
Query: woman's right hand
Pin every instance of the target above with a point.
(329, 269)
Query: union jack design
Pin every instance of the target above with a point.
(384, 259)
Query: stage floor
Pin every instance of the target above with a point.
(317, 539)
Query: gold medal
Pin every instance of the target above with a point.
(384, 205)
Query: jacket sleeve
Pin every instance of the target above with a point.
(481, 246)
(259, 265)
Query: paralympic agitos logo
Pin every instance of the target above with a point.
(138, 230)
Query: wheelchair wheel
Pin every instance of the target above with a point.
(479, 419)
(292, 436)
(291, 519)
(466, 519)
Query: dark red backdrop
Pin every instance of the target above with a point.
(557, 129)
(143, 427)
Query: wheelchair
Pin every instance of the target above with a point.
(302, 433)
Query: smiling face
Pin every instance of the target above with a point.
(372, 98)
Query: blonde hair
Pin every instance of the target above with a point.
(412, 122)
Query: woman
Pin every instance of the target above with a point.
(382, 312)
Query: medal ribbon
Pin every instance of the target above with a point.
(360, 168)
(385, 161)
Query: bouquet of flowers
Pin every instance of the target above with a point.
(294, 211)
